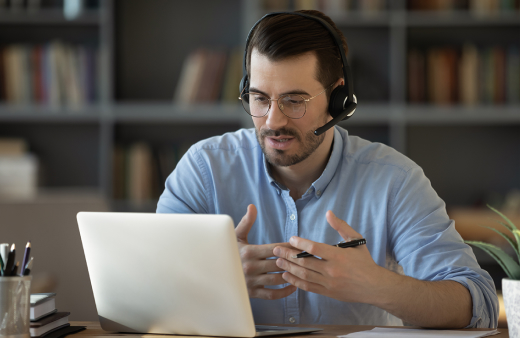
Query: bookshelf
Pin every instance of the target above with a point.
(143, 47)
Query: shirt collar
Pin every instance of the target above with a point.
(323, 181)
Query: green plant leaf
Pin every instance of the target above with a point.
(513, 227)
(508, 239)
(517, 237)
(508, 227)
(511, 268)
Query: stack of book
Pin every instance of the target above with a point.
(44, 316)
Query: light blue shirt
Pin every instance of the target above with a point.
(379, 192)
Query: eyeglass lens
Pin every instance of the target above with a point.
(257, 105)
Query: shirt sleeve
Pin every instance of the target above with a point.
(187, 189)
(425, 243)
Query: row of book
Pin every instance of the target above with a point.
(34, 5)
(329, 7)
(481, 7)
(338, 7)
(209, 76)
(54, 74)
(140, 169)
(467, 75)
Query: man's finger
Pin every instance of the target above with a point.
(267, 279)
(242, 229)
(310, 263)
(304, 285)
(260, 267)
(314, 248)
(341, 227)
(272, 294)
(261, 251)
(302, 273)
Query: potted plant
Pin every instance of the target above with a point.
(511, 285)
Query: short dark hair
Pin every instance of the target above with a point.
(287, 35)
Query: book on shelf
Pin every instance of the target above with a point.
(466, 75)
(189, 77)
(42, 304)
(487, 75)
(210, 81)
(512, 78)
(139, 172)
(499, 79)
(140, 169)
(371, 6)
(48, 324)
(233, 76)
(441, 76)
(18, 170)
(118, 172)
(416, 76)
(53, 74)
(206, 76)
(12, 146)
(492, 7)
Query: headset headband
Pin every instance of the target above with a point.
(346, 69)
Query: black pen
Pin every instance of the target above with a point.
(26, 256)
(14, 272)
(9, 261)
(350, 244)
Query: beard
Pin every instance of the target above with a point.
(309, 143)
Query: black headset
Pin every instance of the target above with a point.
(342, 102)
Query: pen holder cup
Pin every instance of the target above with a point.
(15, 307)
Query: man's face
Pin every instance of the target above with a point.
(287, 141)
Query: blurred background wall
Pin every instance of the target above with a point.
(100, 98)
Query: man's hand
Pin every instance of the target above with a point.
(349, 274)
(255, 264)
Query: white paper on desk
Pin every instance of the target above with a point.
(380, 332)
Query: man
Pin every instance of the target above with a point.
(302, 192)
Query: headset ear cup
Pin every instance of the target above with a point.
(244, 83)
(337, 100)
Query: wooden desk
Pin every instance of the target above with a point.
(94, 330)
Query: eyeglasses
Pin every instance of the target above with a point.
(293, 106)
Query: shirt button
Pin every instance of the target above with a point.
(292, 217)
(292, 320)
(318, 192)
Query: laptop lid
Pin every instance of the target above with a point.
(166, 273)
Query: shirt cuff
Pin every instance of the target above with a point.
(485, 303)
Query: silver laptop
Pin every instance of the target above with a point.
(169, 274)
